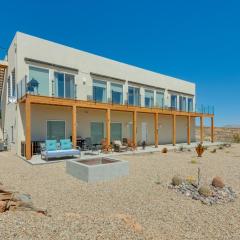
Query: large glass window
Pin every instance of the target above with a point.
(182, 103)
(190, 104)
(55, 130)
(64, 85)
(160, 99)
(134, 96)
(117, 93)
(174, 101)
(69, 86)
(99, 91)
(116, 131)
(38, 81)
(149, 98)
(97, 132)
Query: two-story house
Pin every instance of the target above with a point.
(51, 91)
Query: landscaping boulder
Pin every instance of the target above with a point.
(218, 182)
(205, 191)
(3, 205)
(176, 181)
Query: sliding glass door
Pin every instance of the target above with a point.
(116, 131)
(64, 85)
(56, 130)
(99, 91)
(97, 132)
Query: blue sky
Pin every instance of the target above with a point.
(197, 41)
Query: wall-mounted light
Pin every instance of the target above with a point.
(84, 80)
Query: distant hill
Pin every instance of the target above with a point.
(232, 126)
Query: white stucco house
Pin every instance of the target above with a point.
(51, 91)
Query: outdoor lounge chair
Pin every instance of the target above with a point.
(118, 147)
(53, 150)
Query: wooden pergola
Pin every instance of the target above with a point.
(74, 104)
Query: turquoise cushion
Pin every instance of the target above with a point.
(66, 144)
(51, 145)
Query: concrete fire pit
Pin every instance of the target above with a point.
(97, 169)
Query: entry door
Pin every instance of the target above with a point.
(116, 131)
(144, 131)
(97, 132)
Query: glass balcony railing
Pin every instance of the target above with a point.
(31, 87)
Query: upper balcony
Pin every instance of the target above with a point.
(65, 88)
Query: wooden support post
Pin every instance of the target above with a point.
(28, 129)
(189, 130)
(201, 129)
(74, 125)
(134, 129)
(212, 129)
(108, 126)
(156, 129)
(174, 129)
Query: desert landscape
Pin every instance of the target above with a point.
(140, 206)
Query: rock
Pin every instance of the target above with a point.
(3, 205)
(205, 191)
(218, 182)
(176, 181)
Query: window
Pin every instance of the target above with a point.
(38, 81)
(56, 130)
(149, 97)
(160, 99)
(174, 101)
(13, 84)
(9, 86)
(133, 96)
(182, 103)
(190, 104)
(116, 131)
(64, 85)
(99, 91)
(97, 132)
(117, 93)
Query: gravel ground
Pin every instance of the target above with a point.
(133, 207)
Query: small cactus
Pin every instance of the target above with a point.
(205, 191)
(176, 181)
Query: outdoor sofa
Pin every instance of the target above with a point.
(52, 149)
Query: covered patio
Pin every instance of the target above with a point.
(108, 109)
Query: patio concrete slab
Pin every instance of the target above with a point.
(36, 159)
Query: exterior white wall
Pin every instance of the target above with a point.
(26, 46)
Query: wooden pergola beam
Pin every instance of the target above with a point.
(108, 127)
(74, 125)
(174, 129)
(156, 129)
(104, 106)
(212, 129)
(28, 150)
(189, 130)
(201, 129)
(134, 129)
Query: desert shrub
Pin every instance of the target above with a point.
(214, 150)
(236, 138)
(205, 191)
(193, 161)
(158, 181)
(191, 179)
(164, 150)
(176, 181)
